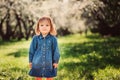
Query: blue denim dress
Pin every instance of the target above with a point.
(43, 52)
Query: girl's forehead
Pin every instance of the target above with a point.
(44, 21)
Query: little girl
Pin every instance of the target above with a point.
(44, 53)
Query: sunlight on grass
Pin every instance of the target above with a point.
(82, 58)
(77, 38)
(13, 68)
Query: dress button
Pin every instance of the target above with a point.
(43, 68)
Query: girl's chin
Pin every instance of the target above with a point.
(44, 33)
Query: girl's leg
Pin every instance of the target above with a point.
(49, 78)
(38, 78)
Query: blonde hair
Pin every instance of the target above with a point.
(52, 28)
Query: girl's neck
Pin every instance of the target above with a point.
(44, 35)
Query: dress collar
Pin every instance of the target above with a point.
(41, 36)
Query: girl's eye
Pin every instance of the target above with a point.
(47, 25)
(41, 25)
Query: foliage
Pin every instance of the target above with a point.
(15, 23)
(18, 18)
(105, 17)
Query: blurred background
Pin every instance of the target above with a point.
(88, 36)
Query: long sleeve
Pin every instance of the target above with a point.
(56, 54)
(32, 48)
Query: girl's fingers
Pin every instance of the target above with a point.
(55, 65)
(30, 65)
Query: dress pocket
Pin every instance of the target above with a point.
(36, 63)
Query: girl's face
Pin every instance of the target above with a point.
(44, 27)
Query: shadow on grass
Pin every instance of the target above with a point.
(19, 53)
(93, 55)
(7, 42)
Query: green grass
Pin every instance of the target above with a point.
(83, 57)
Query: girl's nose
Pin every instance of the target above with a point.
(44, 26)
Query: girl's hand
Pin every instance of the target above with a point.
(55, 65)
(30, 65)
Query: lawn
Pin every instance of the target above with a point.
(90, 57)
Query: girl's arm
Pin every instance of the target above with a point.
(56, 54)
(32, 48)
